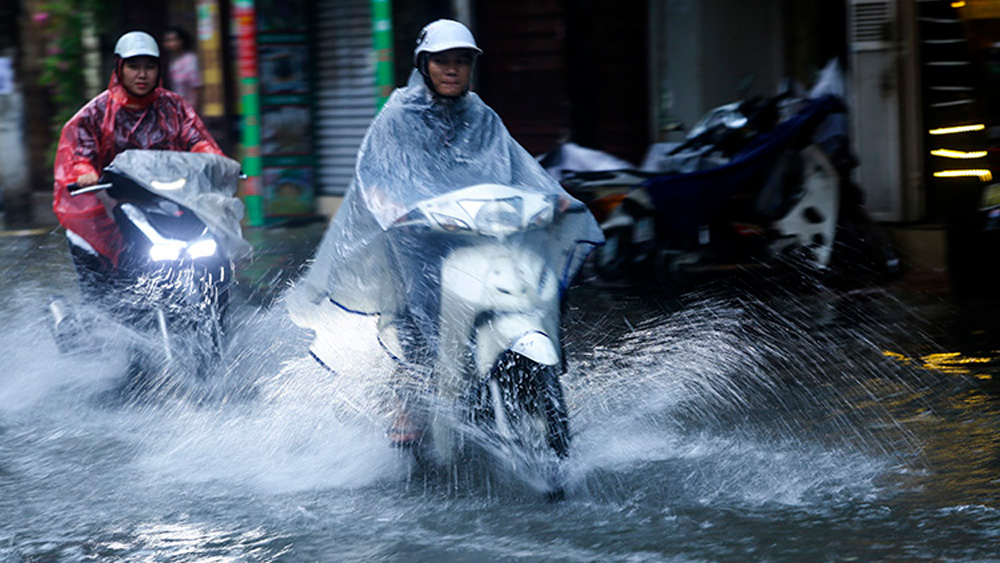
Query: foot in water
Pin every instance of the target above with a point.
(403, 432)
(67, 329)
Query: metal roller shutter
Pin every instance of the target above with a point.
(345, 89)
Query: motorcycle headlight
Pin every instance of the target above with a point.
(165, 250)
(499, 218)
(203, 248)
(169, 185)
(542, 218)
(449, 223)
(415, 218)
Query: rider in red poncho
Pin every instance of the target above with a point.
(135, 112)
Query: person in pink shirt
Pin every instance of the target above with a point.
(185, 75)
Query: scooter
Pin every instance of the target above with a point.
(476, 257)
(179, 219)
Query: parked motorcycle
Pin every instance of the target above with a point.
(179, 219)
(763, 182)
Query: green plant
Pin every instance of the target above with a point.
(64, 26)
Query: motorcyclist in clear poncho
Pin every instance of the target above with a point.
(432, 137)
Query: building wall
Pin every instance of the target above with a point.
(713, 52)
(408, 18)
(567, 70)
(608, 69)
(15, 197)
(345, 89)
(523, 73)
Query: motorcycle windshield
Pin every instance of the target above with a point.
(418, 148)
(202, 182)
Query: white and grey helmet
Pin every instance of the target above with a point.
(137, 44)
(442, 35)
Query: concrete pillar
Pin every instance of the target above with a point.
(14, 176)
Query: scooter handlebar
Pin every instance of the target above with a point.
(76, 189)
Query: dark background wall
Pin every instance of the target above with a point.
(567, 70)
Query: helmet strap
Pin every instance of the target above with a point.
(421, 65)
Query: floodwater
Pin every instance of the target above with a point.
(730, 423)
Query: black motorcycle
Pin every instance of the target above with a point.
(179, 220)
(762, 182)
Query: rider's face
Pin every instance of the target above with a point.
(140, 75)
(450, 71)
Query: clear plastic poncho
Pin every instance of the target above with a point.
(109, 124)
(418, 147)
(204, 183)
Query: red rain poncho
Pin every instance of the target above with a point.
(104, 128)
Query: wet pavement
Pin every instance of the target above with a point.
(743, 419)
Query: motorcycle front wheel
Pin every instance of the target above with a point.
(192, 328)
(526, 404)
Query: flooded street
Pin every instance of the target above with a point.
(735, 422)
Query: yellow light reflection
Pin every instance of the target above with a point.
(957, 129)
(949, 153)
(952, 363)
(982, 174)
(895, 355)
(958, 4)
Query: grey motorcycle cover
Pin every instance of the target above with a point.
(418, 147)
(202, 182)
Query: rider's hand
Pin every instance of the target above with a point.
(88, 179)
(563, 203)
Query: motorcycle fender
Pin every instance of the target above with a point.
(813, 220)
(645, 230)
(537, 347)
(491, 296)
(522, 334)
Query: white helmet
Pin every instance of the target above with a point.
(137, 44)
(442, 35)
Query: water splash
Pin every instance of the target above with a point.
(721, 380)
(295, 431)
(767, 404)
